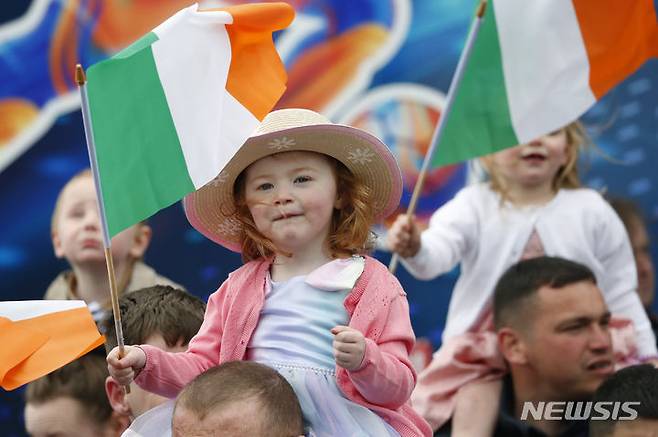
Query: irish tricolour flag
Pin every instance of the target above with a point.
(169, 111)
(538, 65)
(39, 336)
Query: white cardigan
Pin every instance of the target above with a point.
(487, 237)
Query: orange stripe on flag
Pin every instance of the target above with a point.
(18, 343)
(257, 76)
(619, 37)
(70, 334)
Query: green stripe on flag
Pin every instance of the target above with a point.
(141, 164)
(479, 122)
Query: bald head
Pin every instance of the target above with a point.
(222, 397)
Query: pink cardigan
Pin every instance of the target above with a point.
(377, 307)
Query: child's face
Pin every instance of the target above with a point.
(77, 235)
(533, 164)
(291, 197)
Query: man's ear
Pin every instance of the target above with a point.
(116, 394)
(512, 346)
(141, 240)
(57, 245)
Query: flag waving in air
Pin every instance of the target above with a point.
(40, 336)
(170, 110)
(538, 65)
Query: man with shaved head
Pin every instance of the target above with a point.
(236, 399)
(552, 327)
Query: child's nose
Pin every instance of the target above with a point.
(92, 221)
(282, 197)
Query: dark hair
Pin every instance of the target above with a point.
(522, 280)
(632, 384)
(82, 380)
(161, 309)
(237, 381)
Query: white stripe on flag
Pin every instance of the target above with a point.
(28, 309)
(545, 64)
(238, 124)
(197, 115)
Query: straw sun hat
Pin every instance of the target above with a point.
(210, 209)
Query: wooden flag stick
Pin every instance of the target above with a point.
(438, 131)
(81, 81)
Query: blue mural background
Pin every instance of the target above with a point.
(623, 125)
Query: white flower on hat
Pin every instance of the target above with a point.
(220, 179)
(360, 156)
(229, 226)
(281, 143)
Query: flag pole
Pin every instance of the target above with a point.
(438, 131)
(81, 81)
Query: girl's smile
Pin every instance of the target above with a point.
(529, 170)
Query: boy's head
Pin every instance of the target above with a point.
(76, 229)
(160, 316)
(368, 179)
(218, 401)
(70, 402)
(635, 386)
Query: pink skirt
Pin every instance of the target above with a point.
(474, 356)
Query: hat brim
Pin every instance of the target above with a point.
(210, 208)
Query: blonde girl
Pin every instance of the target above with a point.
(531, 205)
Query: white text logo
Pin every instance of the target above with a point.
(602, 410)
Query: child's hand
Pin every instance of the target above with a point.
(349, 347)
(404, 236)
(124, 370)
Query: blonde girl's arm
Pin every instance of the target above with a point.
(166, 373)
(453, 230)
(386, 376)
(619, 282)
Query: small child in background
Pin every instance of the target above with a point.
(161, 316)
(532, 205)
(217, 402)
(77, 236)
(298, 200)
(71, 402)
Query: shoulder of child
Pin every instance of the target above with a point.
(378, 275)
(585, 196)
(59, 288)
(248, 268)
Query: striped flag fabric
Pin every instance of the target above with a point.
(40, 336)
(169, 111)
(538, 65)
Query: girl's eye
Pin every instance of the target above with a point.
(302, 179)
(265, 186)
(77, 213)
(555, 132)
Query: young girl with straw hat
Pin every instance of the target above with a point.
(298, 201)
